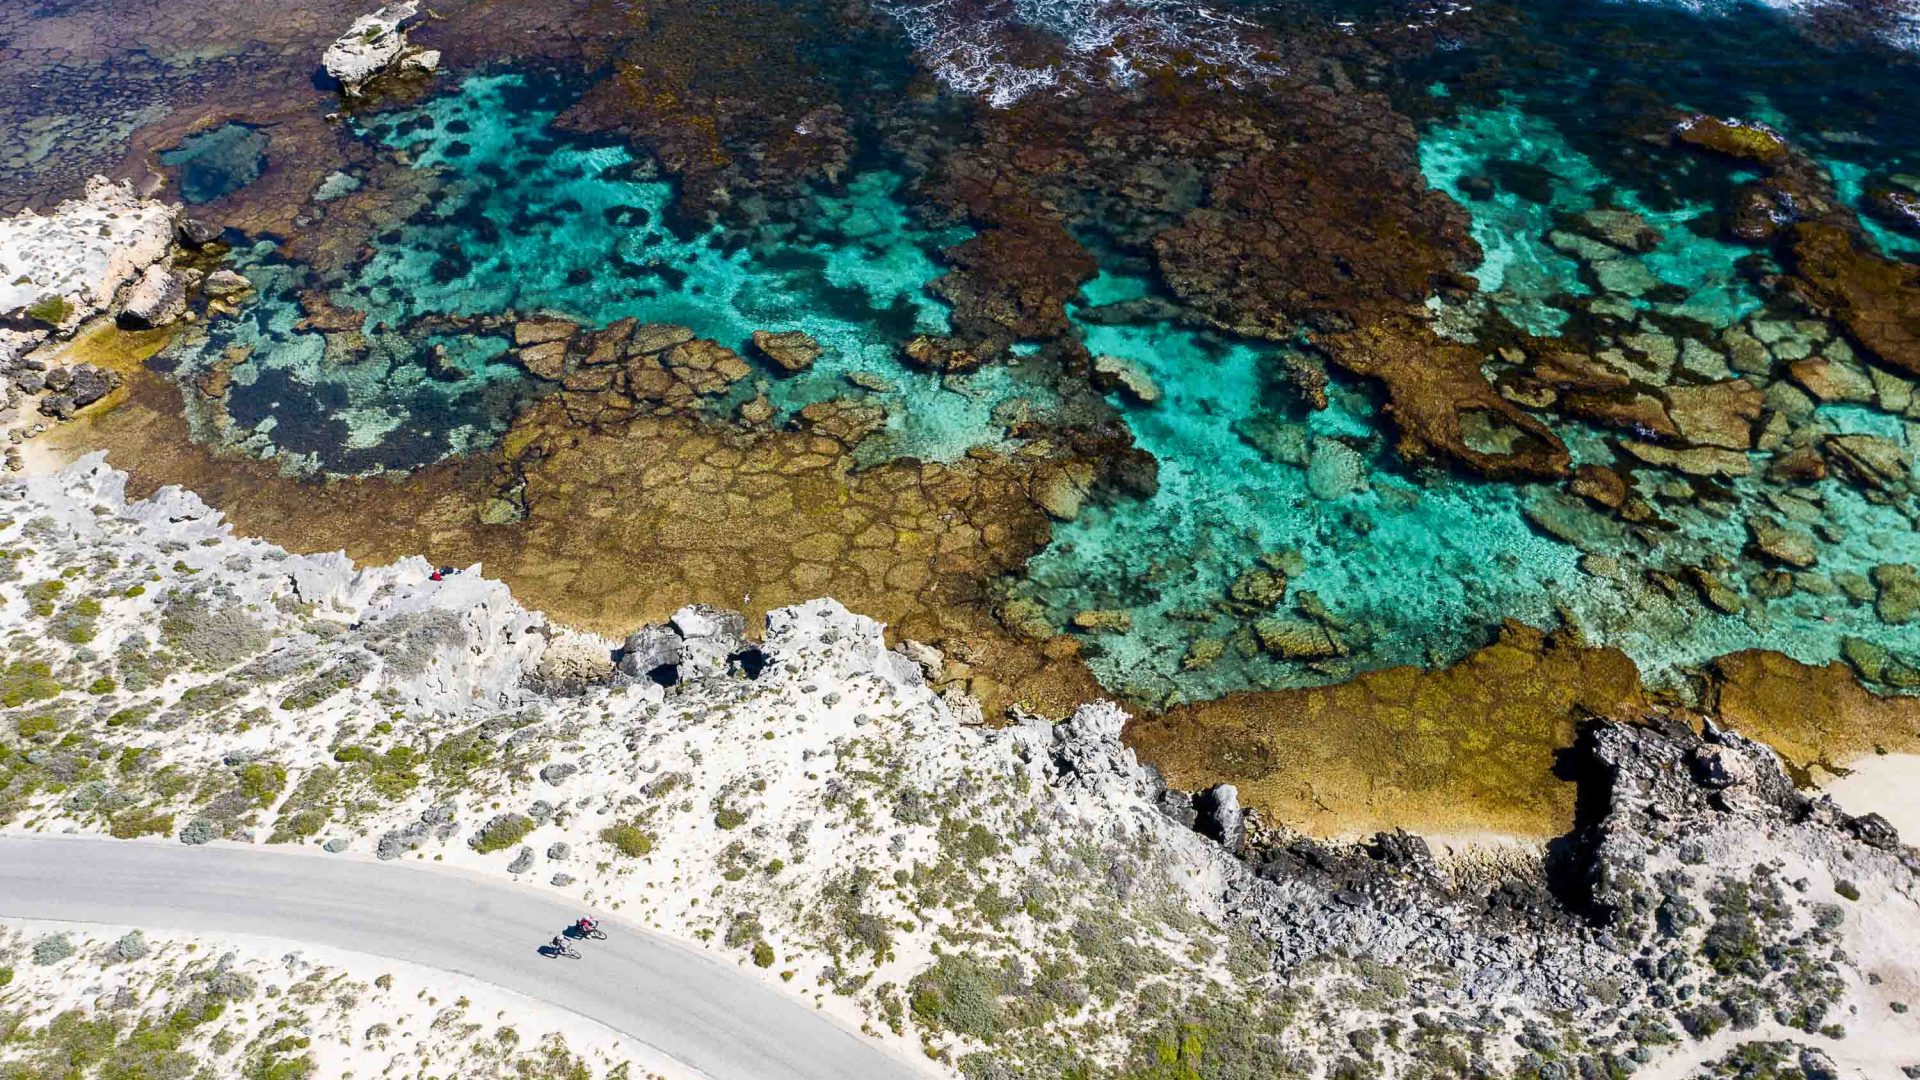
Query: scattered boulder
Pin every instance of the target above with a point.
(1221, 817)
(574, 657)
(1785, 544)
(793, 351)
(558, 772)
(649, 650)
(709, 638)
(522, 862)
(225, 284)
(1132, 381)
(194, 233)
(158, 299)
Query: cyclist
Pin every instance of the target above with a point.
(588, 924)
(559, 944)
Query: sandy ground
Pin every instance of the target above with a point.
(1885, 784)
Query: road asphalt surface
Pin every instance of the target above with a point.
(709, 1015)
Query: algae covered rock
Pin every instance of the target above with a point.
(1898, 599)
(1783, 543)
(1103, 621)
(1290, 638)
(1742, 140)
(793, 351)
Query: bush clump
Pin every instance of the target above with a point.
(52, 949)
(959, 994)
(630, 840)
(501, 832)
(210, 633)
(27, 680)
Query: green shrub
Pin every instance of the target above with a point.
(131, 823)
(42, 594)
(762, 954)
(959, 994)
(262, 781)
(504, 831)
(25, 681)
(629, 840)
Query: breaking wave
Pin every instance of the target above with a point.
(1005, 50)
(1892, 22)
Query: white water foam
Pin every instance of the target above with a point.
(1894, 22)
(1005, 50)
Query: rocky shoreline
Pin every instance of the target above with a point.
(807, 803)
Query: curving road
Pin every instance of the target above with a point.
(706, 1014)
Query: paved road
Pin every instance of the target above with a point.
(697, 1010)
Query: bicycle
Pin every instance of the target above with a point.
(558, 950)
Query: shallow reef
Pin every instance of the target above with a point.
(1289, 385)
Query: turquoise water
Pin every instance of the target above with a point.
(1381, 565)
(1536, 269)
(218, 162)
(528, 221)
(532, 223)
(1849, 181)
(1418, 569)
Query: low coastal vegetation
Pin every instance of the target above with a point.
(1021, 902)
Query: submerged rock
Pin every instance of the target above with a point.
(1784, 544)
(1119, 373)
(1742, 140)
(1894, 208)
(1898, 599)
(1289, 638)
(225, 284)
(793, 351)
(1103, 621)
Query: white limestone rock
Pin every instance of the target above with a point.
(158, 299)
(375, 43)
(64, 267)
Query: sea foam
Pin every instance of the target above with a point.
(1006, 50)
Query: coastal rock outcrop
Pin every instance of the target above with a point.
(61, 268)
(375, 44)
